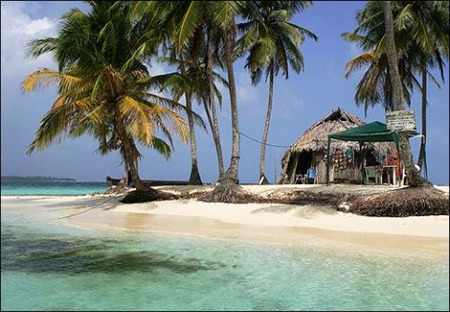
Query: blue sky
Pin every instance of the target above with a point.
(298, 103)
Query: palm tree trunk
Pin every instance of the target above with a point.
(194, 177)
(405, 149)
(214, 125)
(230, 40)
(262, 173)
(421, 160)
(130, 156)
(213, 122)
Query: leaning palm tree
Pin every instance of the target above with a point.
(272, 43)
(103, 86)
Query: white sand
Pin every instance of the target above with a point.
(275, 223)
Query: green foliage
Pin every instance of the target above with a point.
(103, 83)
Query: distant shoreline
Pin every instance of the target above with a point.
(35, 179)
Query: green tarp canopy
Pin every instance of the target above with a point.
(372, 132)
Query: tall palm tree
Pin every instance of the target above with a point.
(103, 85)
(405, 148)
(221, 18)
(428, 23)
(421, 41)
(190, 41)
(221, 15)
(195, 77)
(272, 43)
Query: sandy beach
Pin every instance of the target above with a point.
(308, 226)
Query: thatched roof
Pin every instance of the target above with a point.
(316, 137)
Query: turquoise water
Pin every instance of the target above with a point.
(47, 265)
(51, 188)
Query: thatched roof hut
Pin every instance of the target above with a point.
(310, 150)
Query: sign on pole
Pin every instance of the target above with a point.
(401, 120)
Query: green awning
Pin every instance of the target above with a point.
(372, 132)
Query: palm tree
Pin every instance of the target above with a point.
(220, 16)
(428, 23)
(272, 43)
(375, 85)
(405, 149)
(190, 42)
(195, 76)
(103, 85)
(421, 41)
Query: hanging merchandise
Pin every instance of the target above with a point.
(336, 161)
(349, 157)
(342, 160)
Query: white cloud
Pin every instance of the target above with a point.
(37, 27)
(17, 30)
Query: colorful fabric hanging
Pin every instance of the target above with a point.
(342, 160)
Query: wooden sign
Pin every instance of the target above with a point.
(401, 120)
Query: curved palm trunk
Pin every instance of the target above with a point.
(214, 125)
(130, 156)
(194, 177)
(262, 173)
(134, 168)
(421, 160)
(213, 121)
(405, 149)
(232, 171)
(125, 180)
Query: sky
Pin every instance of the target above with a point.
(299, 102)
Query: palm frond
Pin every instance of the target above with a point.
(359, 62)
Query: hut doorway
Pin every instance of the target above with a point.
(305, 162)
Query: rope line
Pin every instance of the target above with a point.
(267, 144)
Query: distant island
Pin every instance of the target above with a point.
(35, 179)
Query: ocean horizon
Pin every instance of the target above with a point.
(52, 188)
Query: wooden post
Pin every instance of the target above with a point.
(282, 179)
(292, 178)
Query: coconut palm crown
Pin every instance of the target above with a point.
(104, 86)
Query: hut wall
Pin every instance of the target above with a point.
(350, 173)
(297, 163)
(322, 172)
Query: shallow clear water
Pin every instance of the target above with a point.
(51, 188)
(49, 266)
